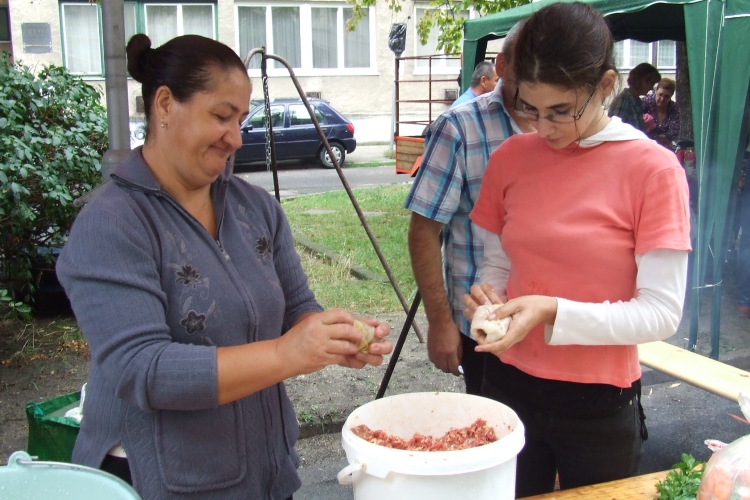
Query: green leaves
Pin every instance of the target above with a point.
(683, 482)
(53, 132)
(447, 15)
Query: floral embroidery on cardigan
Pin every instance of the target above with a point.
(188, 275)
(263, 246)
(194, 322)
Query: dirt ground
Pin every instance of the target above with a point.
(322, 400)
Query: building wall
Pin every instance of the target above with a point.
(5, 46)
(35, 11)
(368, 93)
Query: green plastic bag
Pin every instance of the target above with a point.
(52, 435)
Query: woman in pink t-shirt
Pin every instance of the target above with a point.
(587, 245)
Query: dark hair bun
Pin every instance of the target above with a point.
(137, 49)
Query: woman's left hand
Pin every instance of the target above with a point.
(528, 312)
(376, 349)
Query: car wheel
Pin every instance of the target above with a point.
(338, 151)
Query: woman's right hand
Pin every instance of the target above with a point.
(482, 294)
(328, 338)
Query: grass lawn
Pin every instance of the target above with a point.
(343, 232)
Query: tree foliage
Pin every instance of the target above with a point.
(53, 132)
(446, 15)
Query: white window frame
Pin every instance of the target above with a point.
(135, 3)
(441, 67)
(668, 69)
(63, 33)
(180, 23)
(652, 54)
(306, 56)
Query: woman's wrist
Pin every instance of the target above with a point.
(551, 310)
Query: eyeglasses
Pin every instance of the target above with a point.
(561, 118)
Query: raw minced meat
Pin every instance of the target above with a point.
(477, 434)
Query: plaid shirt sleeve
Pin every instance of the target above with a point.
(628, 109)
(436, 192)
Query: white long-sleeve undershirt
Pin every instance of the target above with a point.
(653, 315)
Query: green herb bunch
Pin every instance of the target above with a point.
(683, 482)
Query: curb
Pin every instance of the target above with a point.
(312, 429)
(354, 269)
(739, 359)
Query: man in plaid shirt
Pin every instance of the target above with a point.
(457, 148)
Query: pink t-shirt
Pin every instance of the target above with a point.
(572, 221)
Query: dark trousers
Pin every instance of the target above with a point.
(117, 466)
(473, 365)
(585, 443)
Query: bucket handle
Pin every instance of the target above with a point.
(351, 472)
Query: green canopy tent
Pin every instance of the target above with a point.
(717, 36)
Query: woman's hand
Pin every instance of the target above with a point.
(329, 338)
(377, 348)
(528, 312)
(481, 295)
(315, 341)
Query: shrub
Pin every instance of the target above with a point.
(53, 132)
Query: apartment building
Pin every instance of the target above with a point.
(354, 70)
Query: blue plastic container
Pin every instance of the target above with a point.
(26, 479)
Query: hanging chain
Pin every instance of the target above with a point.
(267, 102)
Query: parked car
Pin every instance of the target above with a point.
(294, 133)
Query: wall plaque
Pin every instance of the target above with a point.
(37, 38)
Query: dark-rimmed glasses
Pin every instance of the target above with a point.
(554, 117)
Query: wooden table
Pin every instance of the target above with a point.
(700, 371)
(633, 488)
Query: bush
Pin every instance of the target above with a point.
(53, 132)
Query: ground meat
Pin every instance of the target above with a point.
(477, 434)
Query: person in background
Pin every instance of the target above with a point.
(186, 285)
(743, 253)
(457, 149)
(483, 80)
(627, 105)
(588, 237)
(664, 113)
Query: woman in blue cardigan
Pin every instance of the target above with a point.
(186, 284)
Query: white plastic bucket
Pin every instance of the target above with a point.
(484, 472)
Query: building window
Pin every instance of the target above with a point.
(630, 53)
(357, 42)
(286, 36)
(439, 65)
(4, 24)
(82, 38)
(666, 57)
(166, 21)
(81, 28)
(252, 31)
(310, 37)
(130, 22)
(325, 37)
